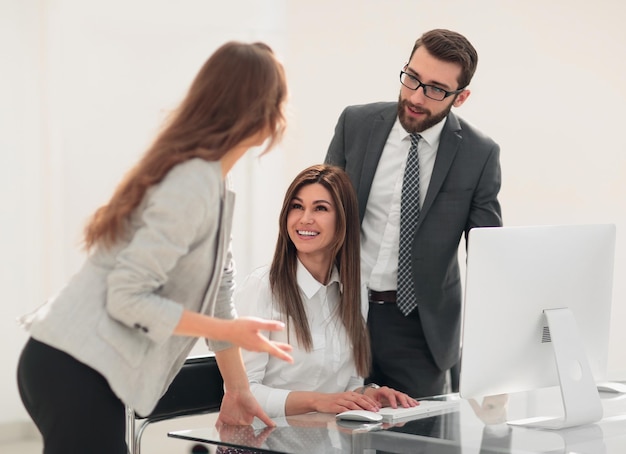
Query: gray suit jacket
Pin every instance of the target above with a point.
(462, 194)
(118, 313)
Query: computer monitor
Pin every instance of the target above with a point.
(536, 314)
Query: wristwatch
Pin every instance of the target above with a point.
(369, 385)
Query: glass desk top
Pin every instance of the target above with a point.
(467, 428)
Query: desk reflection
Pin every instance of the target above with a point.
(474, 427)
(430, 434)
(313, 432)
(499, 437)
(496, 434)
(321, 433)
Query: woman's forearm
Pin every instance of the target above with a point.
(199, 325)
(299, 402)
(233, 370)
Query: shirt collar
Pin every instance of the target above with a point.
(431, 135)
(309, 285)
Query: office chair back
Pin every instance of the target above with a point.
(198, 388)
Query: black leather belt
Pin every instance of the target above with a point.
(388, 297)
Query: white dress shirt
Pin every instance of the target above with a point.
(380, 230)
(328, 367)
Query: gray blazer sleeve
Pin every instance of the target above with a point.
(173, 218)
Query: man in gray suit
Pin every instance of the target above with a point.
(456, 170)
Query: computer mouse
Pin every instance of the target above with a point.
(360, 415)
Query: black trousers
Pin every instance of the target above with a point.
(401, 358)
(72, 405)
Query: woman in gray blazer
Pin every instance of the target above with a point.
(159, 273)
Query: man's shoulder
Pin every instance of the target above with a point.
(470, 132)
(363, 114)
(371, 108)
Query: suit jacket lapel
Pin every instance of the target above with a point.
(222, 246)
(448, 146)
(379, 132)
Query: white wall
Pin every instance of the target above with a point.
(21, 171)
(84, 86)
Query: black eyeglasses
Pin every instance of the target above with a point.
(430, 91)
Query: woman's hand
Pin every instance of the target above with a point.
(389, 397)
(299, 402)
(349, 400)
(246, 332)
(240, 408)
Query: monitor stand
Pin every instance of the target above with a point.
(581, 401)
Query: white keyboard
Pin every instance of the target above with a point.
(425, 407)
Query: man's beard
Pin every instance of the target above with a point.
(411, 125)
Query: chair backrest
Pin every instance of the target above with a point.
(198, 388)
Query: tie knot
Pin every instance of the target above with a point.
(415, 138)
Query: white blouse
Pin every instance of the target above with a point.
(328, 367)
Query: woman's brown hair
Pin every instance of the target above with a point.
(346, 251)
(239, 91)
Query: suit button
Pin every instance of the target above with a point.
(136, 326)
(144, 329)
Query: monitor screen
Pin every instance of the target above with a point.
(515, 277)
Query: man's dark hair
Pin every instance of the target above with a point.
(451, 47)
